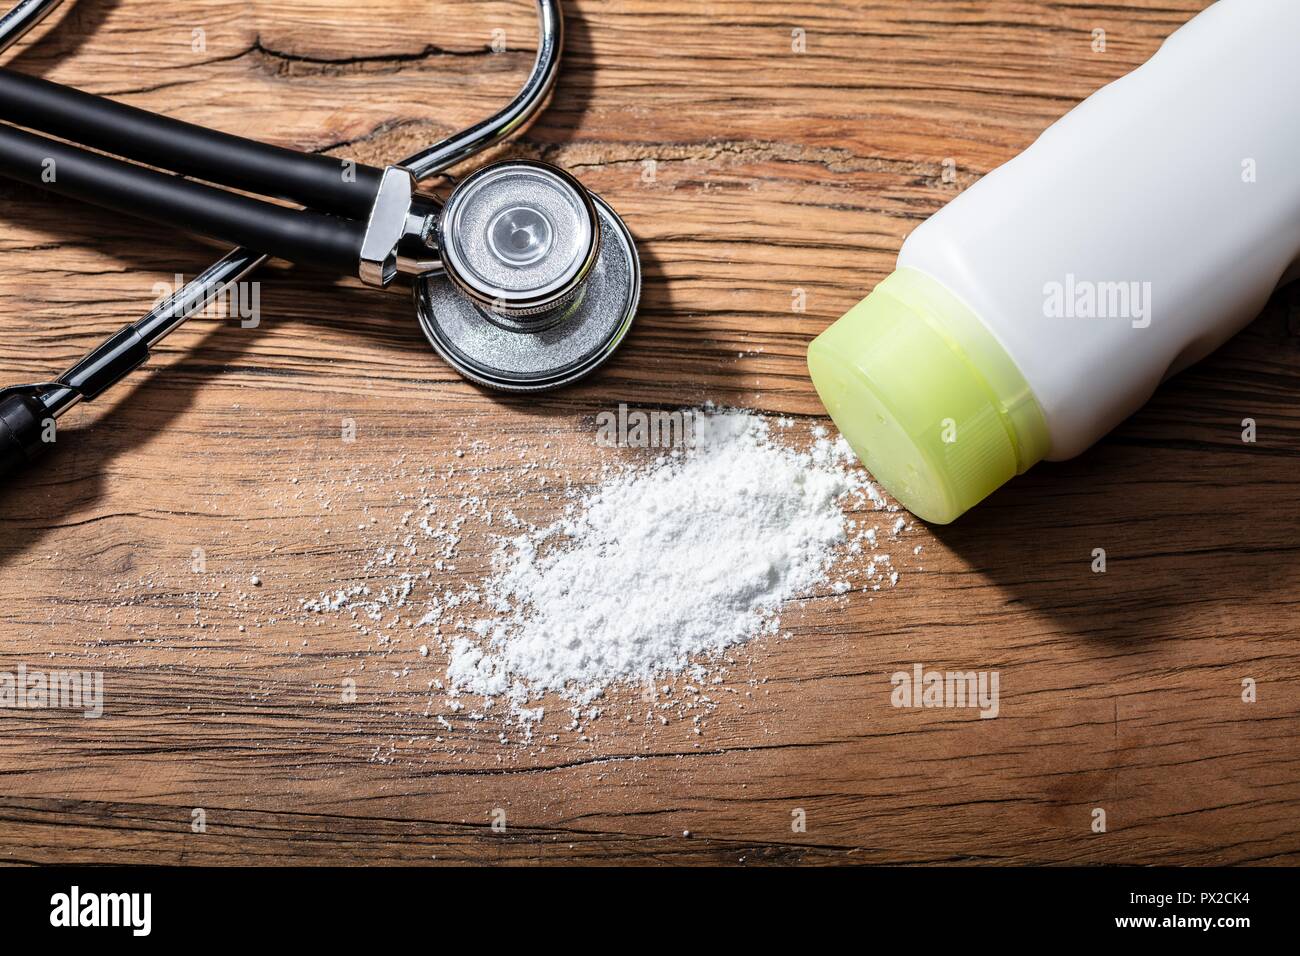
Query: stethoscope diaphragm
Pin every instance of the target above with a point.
(519, 237)
(492, 328)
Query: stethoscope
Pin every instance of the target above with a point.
(522, 279)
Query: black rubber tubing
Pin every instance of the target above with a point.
(301, 236)
(319, 182)
(21, 428)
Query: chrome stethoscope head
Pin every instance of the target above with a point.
(539, 279)
(519, 237)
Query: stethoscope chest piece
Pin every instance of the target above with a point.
(540, 279)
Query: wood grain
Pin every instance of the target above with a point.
(746, 171)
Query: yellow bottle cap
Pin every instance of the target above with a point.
(927, 397)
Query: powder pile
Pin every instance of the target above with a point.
(664, 564)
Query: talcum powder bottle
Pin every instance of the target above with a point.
(1044, 305)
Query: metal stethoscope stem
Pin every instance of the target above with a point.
(25, 15)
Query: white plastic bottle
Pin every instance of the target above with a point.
(1044, 305)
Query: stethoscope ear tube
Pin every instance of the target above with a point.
(318, 182)
(297, 235)
(350, 228)
(21, 424)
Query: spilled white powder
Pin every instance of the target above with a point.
(663, 564)
(646, 580)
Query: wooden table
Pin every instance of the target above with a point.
(747, 170)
